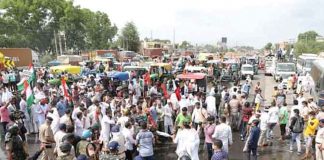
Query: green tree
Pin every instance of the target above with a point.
(268, 46)
(210, 48)
(307, 43)
(162, 40)
(185, 45)
(73, 26)
(100, 32)
(129, 38)
(33, 24)
(24, 24)
(309, 36)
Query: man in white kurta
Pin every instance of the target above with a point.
(105, 130)
(167, 116)
(187, 140)
(211, 105)
(223, 132)
(27, 121)
(78, 125)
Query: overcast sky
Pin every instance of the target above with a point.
(244, 22)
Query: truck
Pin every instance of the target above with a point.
(247, 70)
(153, 52)
(283, 71)
(22, 57)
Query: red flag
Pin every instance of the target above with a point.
(178, 93)
(65, 89)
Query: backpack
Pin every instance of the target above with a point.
(298, 126)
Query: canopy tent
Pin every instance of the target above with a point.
(205, 56)
(230, 61)
(191, 76)
(214, 61)
(122, 76)
(54, 63)
(66, 68)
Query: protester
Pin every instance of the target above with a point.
(145, 141)
(4, 114)
(309, 133)
(95, 116)
(296, 127)
(264, 120)
(246, 115)
(209, 130)
(199, 116)
(58, 137)
(253, 140)
(283, 120)
(319, 145)
(14, 144)
(129, 140)
(219, 153)
(224, 133)
(167, 117)
(187, 140)
(235, 110)
(273, 120)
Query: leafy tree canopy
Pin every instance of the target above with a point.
(33, 24)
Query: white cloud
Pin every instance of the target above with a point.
(249, 22)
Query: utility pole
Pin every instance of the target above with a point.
(60, 44)
(55, 42)
(151, 35)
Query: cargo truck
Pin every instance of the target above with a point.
(22, 57)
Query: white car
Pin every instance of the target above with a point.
(269, 68)
(247, 70)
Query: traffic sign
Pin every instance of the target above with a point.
(8, 63)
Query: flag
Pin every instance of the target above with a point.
(21, 86)
(65, 88)
(29, 94)
(31, 79)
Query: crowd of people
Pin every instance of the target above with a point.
(101, 120)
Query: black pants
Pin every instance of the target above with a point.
(4, 127)
(217, 109)
(129, 154)
(209, 150)
(283, 129)
(254, 154)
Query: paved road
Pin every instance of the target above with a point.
(279, 151)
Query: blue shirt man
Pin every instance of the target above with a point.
(154, 113)
(253, 139)
(246, 88)
(61, 107)
(145, 140)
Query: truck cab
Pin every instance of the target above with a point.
(283, 71)
(247, 70)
